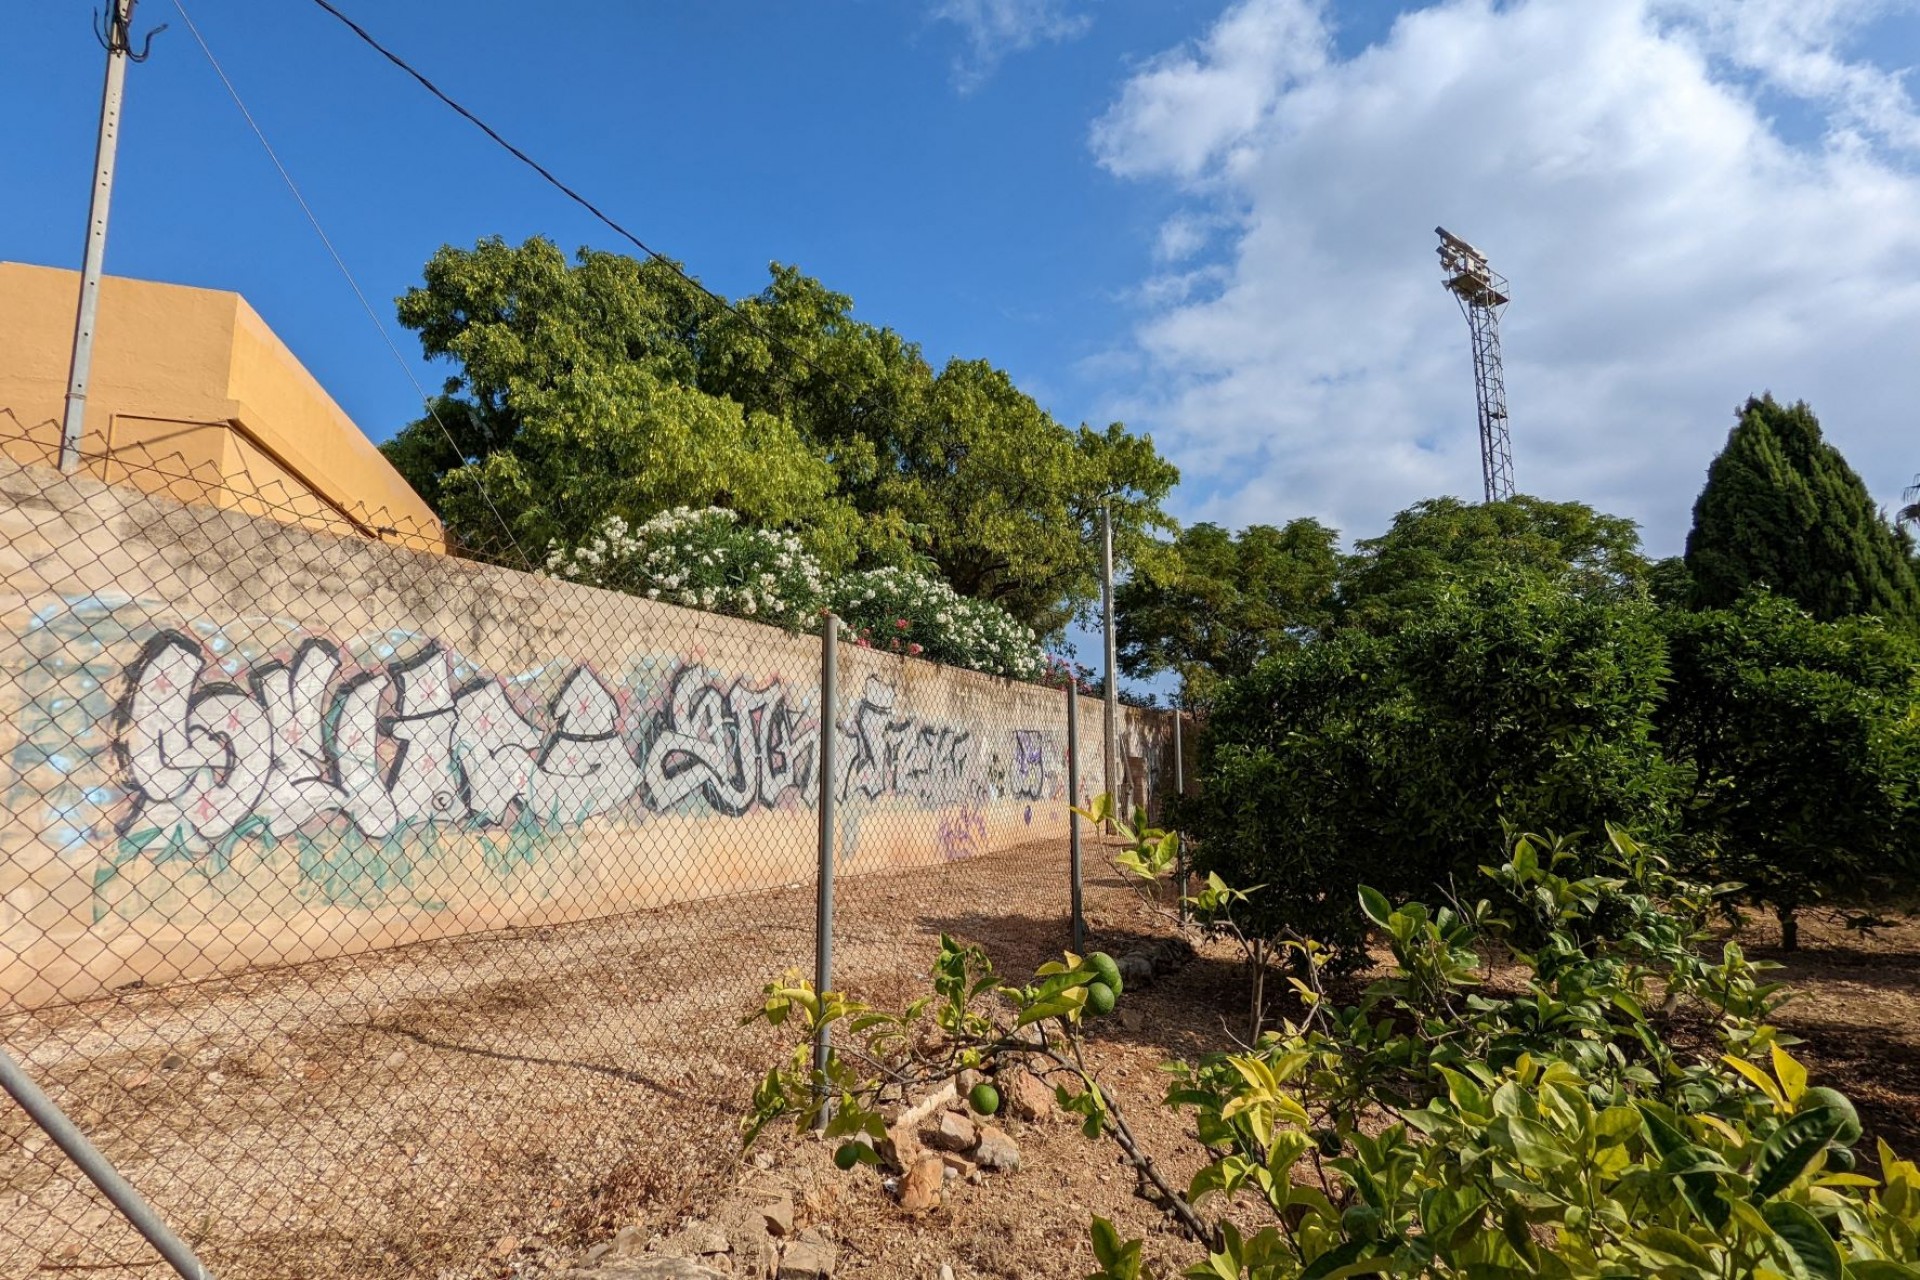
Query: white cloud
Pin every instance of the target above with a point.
(1670, 250)
(996, 28)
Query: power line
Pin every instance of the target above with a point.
(718, 299)
(340, 262)
(544, 172)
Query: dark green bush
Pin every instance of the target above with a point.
(1800, 742)
(1397, 760)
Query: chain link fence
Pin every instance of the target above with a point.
(377, 911)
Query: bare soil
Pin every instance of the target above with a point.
(490, 1107)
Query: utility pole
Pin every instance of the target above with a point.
(1106, 627)
(1482, 293)
(119, 42)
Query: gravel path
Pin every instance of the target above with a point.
(458, 1108)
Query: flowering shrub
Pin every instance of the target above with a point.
(910, 613)
(709, 560)
(702, 560)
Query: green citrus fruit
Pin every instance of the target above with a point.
(846, 1155)
(1833, 1100)
(984, 1098)
(1106, 970)
(1100, 997)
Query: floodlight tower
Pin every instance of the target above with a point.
(1482, 292)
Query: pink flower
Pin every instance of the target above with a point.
(901, 623)
(863, 643)
(915, 649)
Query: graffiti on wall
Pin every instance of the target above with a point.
(363, 753)
(207, 760)
(734, 745)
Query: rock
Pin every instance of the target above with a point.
(1174, 953)
(946, 1271)
(778, 1215)
(1136, 969)
(695, 1240)
(630, 1241)
(920, 1189)
(506, 1246)
(746, 1223)
(952, 1132)
(598, 1252)
(958, 1166)
(654, 1268)
(945, 1095)
(397, 1059)
(997, 1151)
(808, 1257)
(762, 1161)
(900, 1148)
(1130, 1018)
(1026, 1097)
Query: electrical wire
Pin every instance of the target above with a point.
(340, 262)
(693, 282)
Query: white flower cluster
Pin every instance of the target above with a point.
(905, 612)
(702, 559)
(706, 559)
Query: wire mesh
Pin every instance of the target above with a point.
(384, 912)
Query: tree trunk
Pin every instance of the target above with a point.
(1789, 930)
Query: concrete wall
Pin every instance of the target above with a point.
(231, 742)
(192, 395)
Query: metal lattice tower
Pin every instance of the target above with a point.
(1482, 292)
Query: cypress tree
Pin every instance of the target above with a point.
(1782, 510)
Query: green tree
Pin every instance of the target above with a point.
(1396, 759)
(1782, 510)
(1221, 602)
(959, 466)
(1439, 545)
(1802, 742)
(610, 386)
(577, 399)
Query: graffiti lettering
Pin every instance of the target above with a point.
(1029, 780)
(736, 746)
(208, 762)
(308, 740)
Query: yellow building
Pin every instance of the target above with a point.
(192, 395)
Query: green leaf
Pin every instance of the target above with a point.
(1119, 1259)
(1793, 1076)
(1807, 1249)
(1793, 1146)
(1336, 1263)
(1374, 904)
(1879, 1269)
(1535, 1144)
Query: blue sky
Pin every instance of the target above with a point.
(1210, 220)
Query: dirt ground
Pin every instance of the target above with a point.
(491, 1107)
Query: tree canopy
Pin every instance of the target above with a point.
(1782, 510)
(1218, 603)
(610, 386)
(1801, 741)
(1395, 759)
(1441, 545)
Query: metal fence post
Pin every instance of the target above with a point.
(1073, 814)
(43, 1111)
(823, 894)
(1179, 789)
